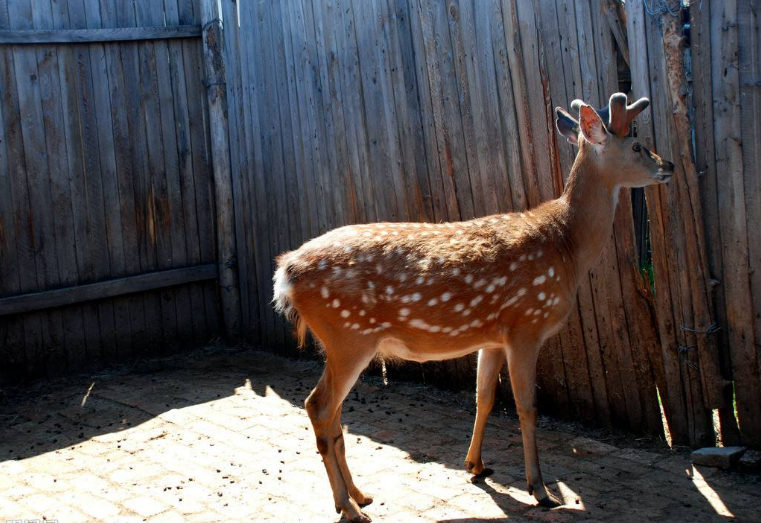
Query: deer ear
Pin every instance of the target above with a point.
(592, 127)
(567, 126)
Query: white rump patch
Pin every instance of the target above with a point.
(282, 291)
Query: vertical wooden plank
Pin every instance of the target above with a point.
(459, 17)
(60, 200)
(672, 304)
(353, 105)
(141, 176)
(516, 62)
(191, 306)
(39, 194)
(705, 159)
(409, 127)
(150, 54)
(247, 259)
(506, 108)
(217, 99)
(12, 328)
(202, 173)
(669, 386)
(272, 149)
(429, 79)
(749, 55)
(734, 216)
(116, 332)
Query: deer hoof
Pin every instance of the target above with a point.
(366, 500)
(361, 518)
(549, 502)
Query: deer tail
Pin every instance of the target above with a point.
(282, 300)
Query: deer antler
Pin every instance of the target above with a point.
(617, 114)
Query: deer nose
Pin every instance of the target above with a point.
(668, 166)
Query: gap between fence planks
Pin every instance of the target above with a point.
(89, 36)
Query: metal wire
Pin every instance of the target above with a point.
(658, 7)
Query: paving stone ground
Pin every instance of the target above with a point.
(221, 435)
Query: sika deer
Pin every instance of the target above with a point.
(502, 284)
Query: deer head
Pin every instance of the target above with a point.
(604, 137)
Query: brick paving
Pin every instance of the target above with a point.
(221, 435)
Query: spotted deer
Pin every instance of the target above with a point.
(500, 285)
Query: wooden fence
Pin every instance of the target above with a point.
(137, 153)
(107, 215)
(437, 110)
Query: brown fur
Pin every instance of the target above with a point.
(421, 291)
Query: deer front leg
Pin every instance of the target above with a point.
(489, 364)
(521, 361)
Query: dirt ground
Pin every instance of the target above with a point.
(221, 435)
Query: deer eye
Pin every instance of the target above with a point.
(636, 147)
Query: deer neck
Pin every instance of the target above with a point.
(590, 204)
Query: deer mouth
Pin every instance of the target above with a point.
(664, 176)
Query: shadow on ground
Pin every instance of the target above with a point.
(405, 443)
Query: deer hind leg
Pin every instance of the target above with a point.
(340, 449)
(490, 363)
(324, 406)
(521, 362)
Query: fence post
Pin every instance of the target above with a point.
(216, 96)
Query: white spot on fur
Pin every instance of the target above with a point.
(336, 304)
(355, 326)
(446, 296)
(345, 313)
(490, 288)
(529, 312)
(458, 307)
(540, 280)
(416, 297)
(475, 301)
(404, 312)
(513, 266)
(362, 312)
(541, 296)
(551, 272)
(432, 302)
(420, 280)
(469, 279)
(324, 292)
(389, 290)
(418, 324)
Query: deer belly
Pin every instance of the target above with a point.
(396, 348)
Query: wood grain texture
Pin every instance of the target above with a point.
(106, 289)
(105, 172)
(84, 36)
